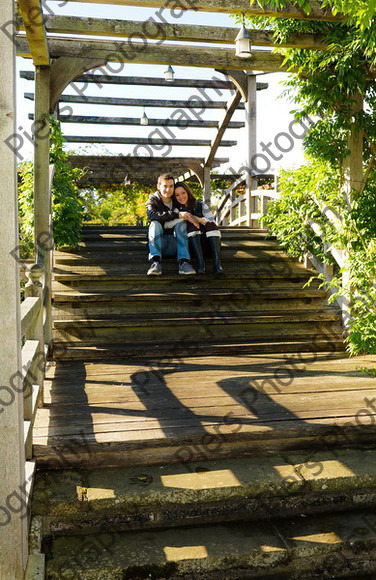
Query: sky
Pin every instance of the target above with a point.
(279, 144)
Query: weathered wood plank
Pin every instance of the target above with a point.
(145, 141)
(181, 433)
(224, 124)
(136, 121)
(178, 32)
(33, 20)
(217, 58)
(101, 79)
(240, 6)
(193, 103)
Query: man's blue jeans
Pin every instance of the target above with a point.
(171, 244)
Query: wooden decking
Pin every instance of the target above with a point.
(142, 411)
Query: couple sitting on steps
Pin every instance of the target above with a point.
(178, 221)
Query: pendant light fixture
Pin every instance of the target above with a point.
(144, 119)
(243, 42)
(169, 74)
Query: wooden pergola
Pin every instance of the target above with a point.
(60, 60)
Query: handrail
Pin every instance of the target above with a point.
(30, 308)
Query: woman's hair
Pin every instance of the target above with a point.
(192, 201)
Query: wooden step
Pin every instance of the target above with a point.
(75, 351)
(75, 305)
(187, 329)
(259, 278)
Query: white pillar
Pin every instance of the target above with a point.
(207, 190)
(250, 125)
(13, 530)
(42, 201)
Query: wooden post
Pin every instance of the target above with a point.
(353, 163)
(42, 201)
(353, 178)
(13, 528)
(207, 190)
(250, 123)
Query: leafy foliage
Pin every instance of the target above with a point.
(116, 204)
(66, 206)
(305, 193)
(325, 86)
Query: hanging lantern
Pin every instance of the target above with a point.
(243, 42)
(169, 74)
(144, 119)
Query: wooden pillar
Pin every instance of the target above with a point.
(353, 164)
(207, 190)
(42, 201)
(13, 531)
(250, 125)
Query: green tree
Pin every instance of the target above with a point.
(67, 208)
(324, 85)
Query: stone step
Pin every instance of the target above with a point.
(109, 351)
(76, 305)
(186, 328)
(206, 491)
(302, 547)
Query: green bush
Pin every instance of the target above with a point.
(303, 194)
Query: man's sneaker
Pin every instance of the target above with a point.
(186, 269)
(155, 269)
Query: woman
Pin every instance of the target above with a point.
(201, 227)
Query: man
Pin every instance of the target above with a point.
(167, 229)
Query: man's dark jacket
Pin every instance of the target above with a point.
(157, 210)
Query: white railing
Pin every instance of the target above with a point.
(33, 352)
(244, 209)
(247, 209)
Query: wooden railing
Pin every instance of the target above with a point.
(245, 208)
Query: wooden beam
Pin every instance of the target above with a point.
(238, 6)
(167, 31)
(222, 128)
(144, 141)
(239, 78)
(114, 169)
(64, 70)
(193, 103)
(127, 161)
(149, 81)
(136, 121)
(32, 17)
(100, 79)
(218, 58)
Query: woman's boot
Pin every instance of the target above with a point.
(197, 249)
(215, 246)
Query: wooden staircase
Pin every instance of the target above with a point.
(180, 440)
(106, 307)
